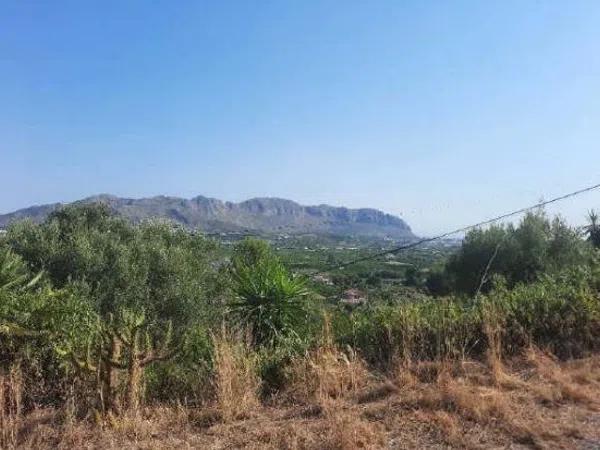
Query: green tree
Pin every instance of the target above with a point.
(132, 292)
(413, 276)
(250, 252)
(518, 254)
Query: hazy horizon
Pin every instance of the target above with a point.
(441, 114)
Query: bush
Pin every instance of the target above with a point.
(124, 296)
(126, 312)
(559, 312)
(519, 254)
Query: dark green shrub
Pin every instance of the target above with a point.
(559, 312)
(132, 292)
(520, 254)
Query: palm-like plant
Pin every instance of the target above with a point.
(269, 301)
(15, 280)
(593, 229)
(14, 273)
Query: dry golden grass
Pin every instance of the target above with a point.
(328, 378)
(237, 383)
(554, 382)
(11, 386)
(456, 404)
(346, 431)
(326, 373)
(449, 425)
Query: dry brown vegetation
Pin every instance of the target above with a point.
(236, 382)
(10, 407)
(335, 402)
(326, 374)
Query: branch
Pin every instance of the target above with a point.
(83, 364)
(152, 354)
(114, 363)
(484, 277)
(155, 357)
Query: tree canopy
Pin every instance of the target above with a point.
(518, 254)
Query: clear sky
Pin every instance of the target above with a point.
(443, 112)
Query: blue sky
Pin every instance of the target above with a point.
(444, 113)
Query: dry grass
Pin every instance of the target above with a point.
(346, 431)
(329, 378)
(449, 425)
(325, 374)
(456, 404)
(236, 381)
(554, 383)
(11, 386)
(503, 402)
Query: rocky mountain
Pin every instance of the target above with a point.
(263, 215)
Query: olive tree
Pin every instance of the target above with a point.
(129, 294)
(519, 253)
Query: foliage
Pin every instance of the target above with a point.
(16, 301)
(560, 312)
(250, 252)
(90, 300)
(593, 229)
(269, 302)
(127, 295)
(519, 254)
(14, 273)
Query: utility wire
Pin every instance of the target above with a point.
(458, 230)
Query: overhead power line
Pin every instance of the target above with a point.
(458, 230)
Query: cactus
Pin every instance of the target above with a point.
(142, 349)
(126, 346)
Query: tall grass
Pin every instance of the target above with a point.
(326, 373)
(11, 392)
(236, 380)
(560, 313)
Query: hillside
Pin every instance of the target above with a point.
(264, 215)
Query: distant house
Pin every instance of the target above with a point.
(322, 279)
(353, 297)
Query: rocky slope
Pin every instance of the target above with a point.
(265, 215)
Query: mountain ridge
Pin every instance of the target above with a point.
(259, 214)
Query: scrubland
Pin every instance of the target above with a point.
(139, 336)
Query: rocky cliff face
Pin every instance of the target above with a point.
(265, 215)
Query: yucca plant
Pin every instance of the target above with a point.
(269, 301)
(15, 280)
(14, 273)
(593, 229)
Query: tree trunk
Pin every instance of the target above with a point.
(133, 383)
(110, 377)
(135, 374)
